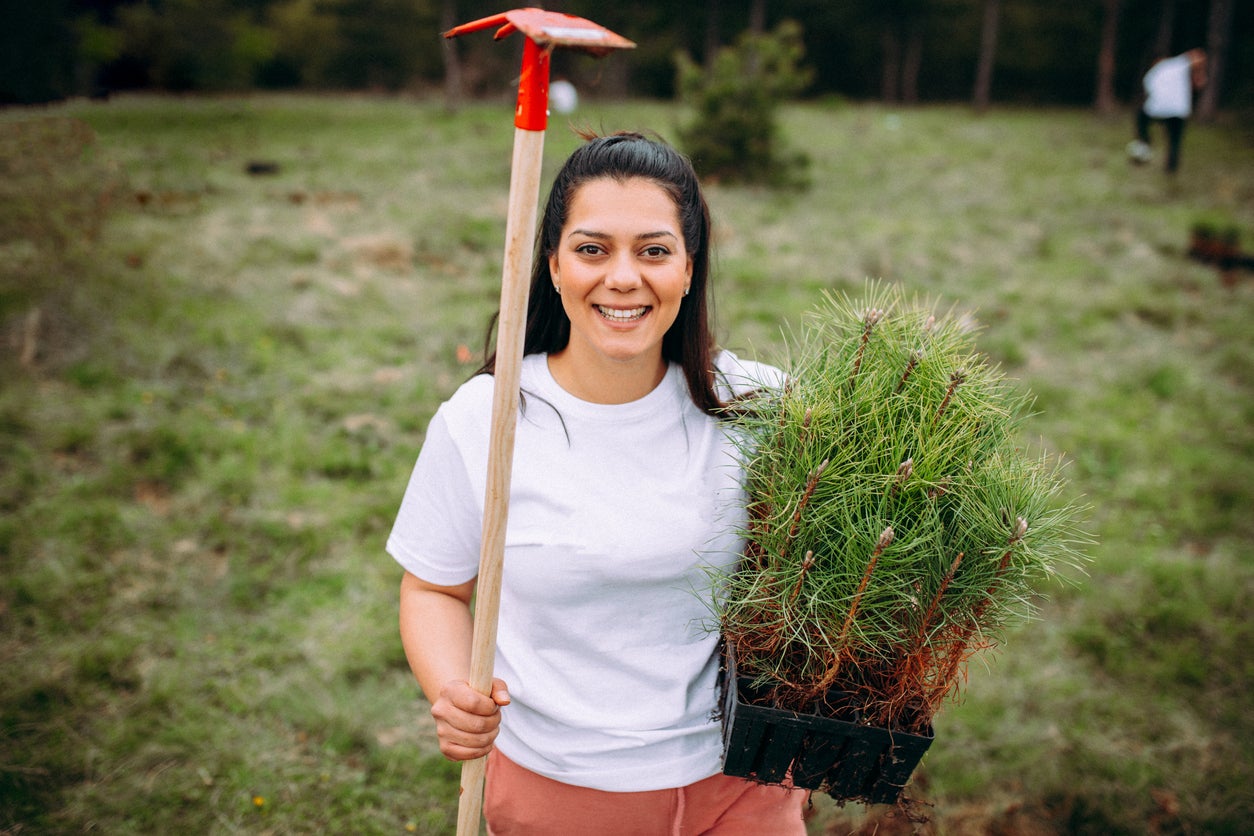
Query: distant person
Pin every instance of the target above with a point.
(1169, 87)
(563, 98)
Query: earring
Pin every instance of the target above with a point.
(686, 289)
(558, 289)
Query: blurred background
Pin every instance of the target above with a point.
(248, 246)
(1017, 51)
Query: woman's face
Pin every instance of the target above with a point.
(622, 269)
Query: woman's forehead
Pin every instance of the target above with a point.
(635, 199)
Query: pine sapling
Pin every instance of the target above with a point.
(891, 423)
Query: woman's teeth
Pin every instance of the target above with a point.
(622, 315)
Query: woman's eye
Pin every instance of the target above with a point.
(588, 249)
(656, 252)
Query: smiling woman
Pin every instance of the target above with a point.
(622, 159)
(625, 500)
(622, 271)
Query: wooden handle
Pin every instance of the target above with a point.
(524, 190)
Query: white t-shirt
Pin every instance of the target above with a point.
(1169, 89)
(618, 515)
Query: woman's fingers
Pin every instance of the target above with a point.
(467, 721)
(463, 748)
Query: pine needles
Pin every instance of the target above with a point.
(895, 528)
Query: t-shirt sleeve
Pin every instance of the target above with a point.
(737, 377)
(438, 529)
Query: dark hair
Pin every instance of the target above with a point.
(623, 156)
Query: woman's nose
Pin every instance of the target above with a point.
(622, 273)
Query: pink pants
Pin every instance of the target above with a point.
(518, 802)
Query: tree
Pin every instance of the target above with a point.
(452, 58)
(35, 55)
(988, 54)
(1104, 100)
(305, 43)
(190, 45)
(889, 79)
(1166, 30)
(757, 16)
(713, 27)
(901, 35)
(1218, 31)
(912, 60)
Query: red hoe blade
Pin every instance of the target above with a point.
(545, 31)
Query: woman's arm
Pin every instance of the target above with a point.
(436, 626)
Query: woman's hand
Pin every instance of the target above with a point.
(436, 627)
(466, 721)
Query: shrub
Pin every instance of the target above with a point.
(734, 135)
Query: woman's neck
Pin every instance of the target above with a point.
(604, 380)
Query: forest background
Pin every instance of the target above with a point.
(1012, 51)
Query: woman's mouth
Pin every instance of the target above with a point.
(622, 314)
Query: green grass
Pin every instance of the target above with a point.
(227, 378)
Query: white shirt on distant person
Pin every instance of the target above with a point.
(1169, 89)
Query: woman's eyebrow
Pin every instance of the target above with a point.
(604, 236)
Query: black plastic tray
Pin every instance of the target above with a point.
(847, 760)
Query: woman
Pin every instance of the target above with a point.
(625, 500)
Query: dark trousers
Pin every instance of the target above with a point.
(1175, 132)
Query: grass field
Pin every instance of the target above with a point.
(213, 386)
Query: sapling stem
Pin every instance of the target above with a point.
(903, 474)
(759, 512)
(811, 484)
(940, 593)
(915, 357)
(960, 647)
(917, 354)
(955, 380)
(1020, 529)
(805, 567)
(886, 537)
(805, 427)
(872, 316)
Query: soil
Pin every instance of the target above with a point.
(921, 820)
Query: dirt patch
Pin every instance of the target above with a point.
(381, 251)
